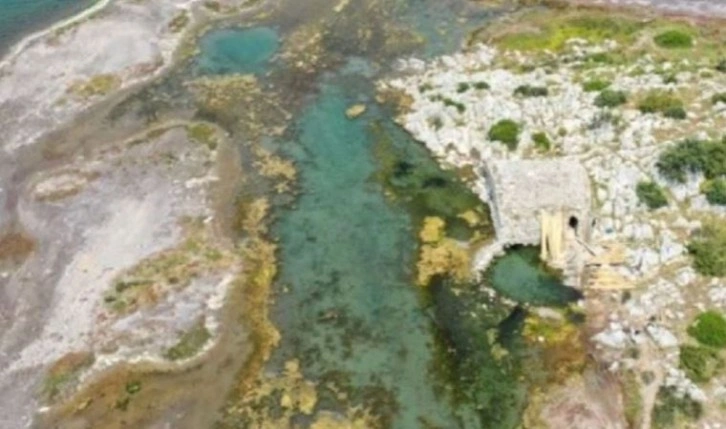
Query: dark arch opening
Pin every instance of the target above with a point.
(573, 222)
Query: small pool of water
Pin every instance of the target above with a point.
(521, 276)
(235, 50)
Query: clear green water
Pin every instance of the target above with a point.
(237, 50)
(351, 314)
(520, 275)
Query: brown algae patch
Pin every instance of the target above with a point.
(440, 255)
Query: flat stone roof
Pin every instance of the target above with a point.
(520, 189)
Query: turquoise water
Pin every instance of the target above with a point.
(351, 314)
(20, 17)
(237, 50)
(521, 276)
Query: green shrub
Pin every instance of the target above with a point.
(719, 98)
(541, 141)
(675, 113)
(670, 407)
(505, 131)
(481, 85)
(460, 107)
(700, 363)
(709, 329)
(651, 195)
(693, 156)
(595, 85)
(715, 191)
(531, 91)
(660, 102)
(708, 249)
(610, 98)
(462, 87)
(674, 39)
(721, 66)
(425, 87)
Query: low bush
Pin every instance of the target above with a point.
(661, 102)
(671, 407)
(531, 91)
(505, 131)
(700, 363)
(595, 85)
(693, 156)
(709, 329)
(460, 107)
(721, 66)
(719, 98)
(462, 87)
(675, 113)
(673, 39)
(541, 141)
(715, 191)
(708, 249)
(651, 195)
(481, 85)
(610, 98)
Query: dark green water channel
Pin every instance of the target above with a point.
(347, 306)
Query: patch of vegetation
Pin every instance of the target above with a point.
(203, 133)
(611, 98)
(179, 22)
(693, 156)
(671, 409)
(709, 328)
(531, 91)
(652, 195)
(664, 103)
(632, 399)
(144, 284)
(700, 363)
(675, 113)
(190, 343)
(101, 84)
(595, 85)
(425, 87)
(719, 98)
(541, 141)
(505, 131)
(462, 87)
(481, 85)
(460, 107)
(673, 39)
(721, 66)
(556, 32)
(715, 191)
(64, 373)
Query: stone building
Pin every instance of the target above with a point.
(543, 202)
